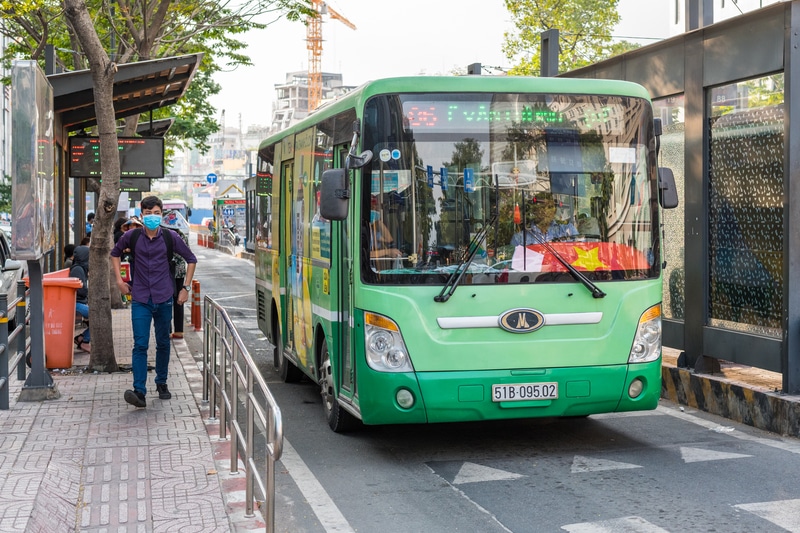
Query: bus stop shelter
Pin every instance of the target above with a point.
(726, 94)
(138, 88)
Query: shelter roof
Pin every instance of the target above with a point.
(138, 88)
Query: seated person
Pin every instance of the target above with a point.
(545, 225)
(381, 240)
(80, 269)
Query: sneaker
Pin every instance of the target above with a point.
(135, 398)
(163, 391)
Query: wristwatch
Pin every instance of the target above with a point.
(187, 288)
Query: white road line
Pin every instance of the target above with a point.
(785, 514)
(628, 524)
(791, 446)
(474, 473)
(470, 500)
(697, 455)
(234, 296)
(327, 513)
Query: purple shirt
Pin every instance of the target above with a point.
(151, 278)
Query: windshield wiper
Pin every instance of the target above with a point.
(455, 278)
(577, 274)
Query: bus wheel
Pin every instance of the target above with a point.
(285, 368)
(339, 420)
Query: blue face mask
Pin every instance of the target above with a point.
(374, 216)
(151, 222)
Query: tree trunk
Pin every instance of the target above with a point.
(102, 357)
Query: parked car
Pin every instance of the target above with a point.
(12, 272)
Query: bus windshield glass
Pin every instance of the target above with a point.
(536, 175)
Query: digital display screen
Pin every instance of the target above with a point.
(263, 184)
(433, 115)
(139, 157)
(134, 184)
(499, 112)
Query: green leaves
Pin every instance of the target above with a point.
(138, 30)
(584, 26)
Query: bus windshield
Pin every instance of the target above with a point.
(542, 178)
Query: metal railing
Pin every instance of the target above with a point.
(15, 344)
(228, 238)
(231, 376)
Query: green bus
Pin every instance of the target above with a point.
(443, 249)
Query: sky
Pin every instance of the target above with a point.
(399, 38)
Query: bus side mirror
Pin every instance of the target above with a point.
(334, 196)
(188, 212)
(668, 193)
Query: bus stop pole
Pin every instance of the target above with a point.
(39, 385)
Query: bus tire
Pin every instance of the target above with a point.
(287, 371)
(339, 420)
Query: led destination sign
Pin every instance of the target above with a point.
(139, 157)
(583, 113)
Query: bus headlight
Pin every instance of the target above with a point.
(647, 341)
(386, 351)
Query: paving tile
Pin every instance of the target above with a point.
(90, 459)
(14, 423)
(33, 461)
(14, 515)
(20, 486)
(57, 499)
(182, 463)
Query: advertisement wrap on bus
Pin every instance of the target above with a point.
(443, 249)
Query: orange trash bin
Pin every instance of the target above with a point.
(59, 294)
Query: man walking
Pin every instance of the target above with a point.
(151, 291)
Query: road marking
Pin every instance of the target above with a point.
(327, 513)
(235, 296)
(697, 455)
(474, 473)
(792, 446)
(478, 506)
(628, 524)
(592, 464)
(785, 514)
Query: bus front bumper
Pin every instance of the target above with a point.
(470, 395)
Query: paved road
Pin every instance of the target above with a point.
(667, 470)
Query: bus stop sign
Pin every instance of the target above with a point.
(211, 178)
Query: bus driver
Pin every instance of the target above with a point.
(381, 241)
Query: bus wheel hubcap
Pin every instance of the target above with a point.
(327, 384)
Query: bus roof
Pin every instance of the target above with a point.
(464, 84)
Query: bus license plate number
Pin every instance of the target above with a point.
(518, 392)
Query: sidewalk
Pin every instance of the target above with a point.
(90, 462)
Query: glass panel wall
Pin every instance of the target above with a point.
(745, 254)
(671, 112)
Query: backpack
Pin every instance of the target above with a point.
(167, 240)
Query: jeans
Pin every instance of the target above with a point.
(83, 310)
(141, 317)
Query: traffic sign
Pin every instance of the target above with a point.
(211, 178)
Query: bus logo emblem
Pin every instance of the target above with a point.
(521, 320)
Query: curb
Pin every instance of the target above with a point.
(771, 411)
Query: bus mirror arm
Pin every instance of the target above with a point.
(657, 130)
(358, 161)
(353, 161)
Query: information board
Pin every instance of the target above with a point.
(139, 157)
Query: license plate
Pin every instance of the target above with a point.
(518, 392)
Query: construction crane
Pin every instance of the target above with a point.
(314, 44)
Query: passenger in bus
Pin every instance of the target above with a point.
(545, 225)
